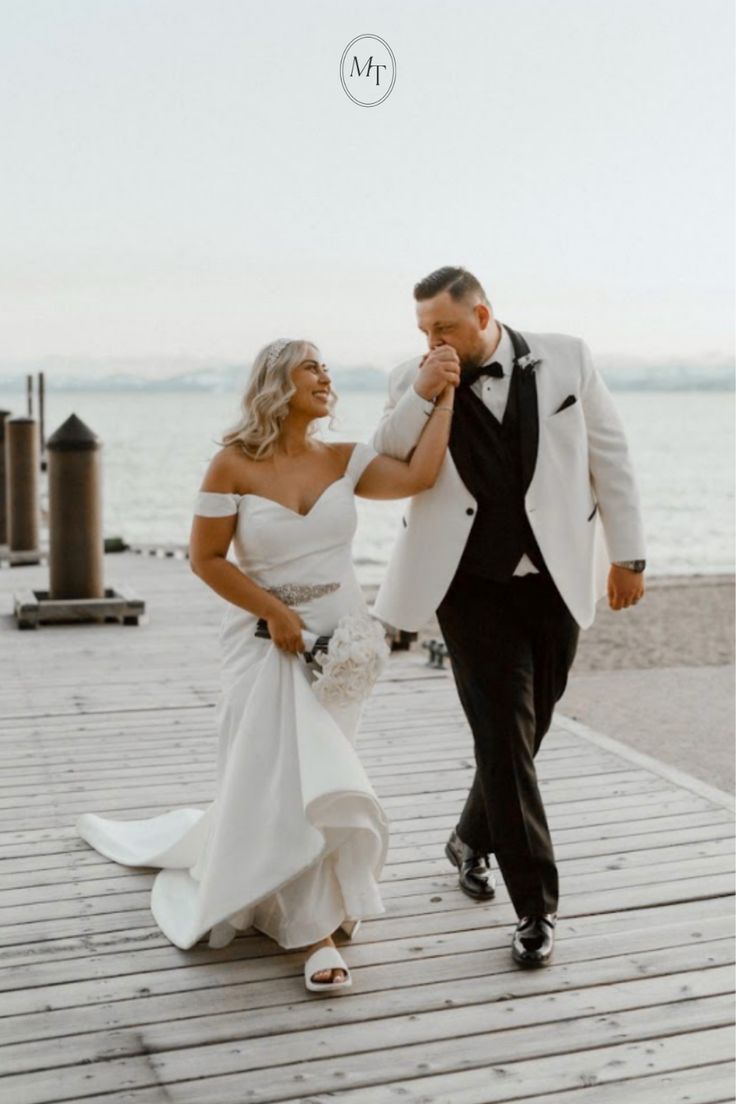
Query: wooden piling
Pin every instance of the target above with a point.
(21, 459)
(42, 418)
(76, 547)
(3, 492)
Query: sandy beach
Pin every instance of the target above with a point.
(660, 676)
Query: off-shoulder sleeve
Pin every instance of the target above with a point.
(360, 458)
(216, 503)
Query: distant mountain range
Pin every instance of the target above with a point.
(710, 373)
(64, 374)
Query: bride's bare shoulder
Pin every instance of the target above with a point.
(228, 471)
(342, 451)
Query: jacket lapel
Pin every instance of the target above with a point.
(526, 381)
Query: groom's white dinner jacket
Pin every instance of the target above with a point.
(582, 476)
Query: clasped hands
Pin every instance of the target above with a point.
(438, 370)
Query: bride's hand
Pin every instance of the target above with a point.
(285, 627)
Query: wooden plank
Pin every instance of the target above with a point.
(231, 1077)
(377, 963)
(620, 1067)
(111, 879)
(344, 1039)
(239, 992)
(626, 797)
(68, 798)
(417, 920)
(53, 945)
(414, 894)
(18, 783)
(159, 965)
(700, 1084)
(88, 865)
(603, 819)
(55, 838)
(665, 770)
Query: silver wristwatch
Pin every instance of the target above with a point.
(633, 565)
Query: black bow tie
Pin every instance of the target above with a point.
(470, 375)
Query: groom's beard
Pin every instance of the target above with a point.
(471, 361)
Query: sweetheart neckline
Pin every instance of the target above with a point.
(264, 498)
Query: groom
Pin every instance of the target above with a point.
(535, 515)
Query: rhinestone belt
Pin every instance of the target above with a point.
(291, 594)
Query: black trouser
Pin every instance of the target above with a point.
(512, 645)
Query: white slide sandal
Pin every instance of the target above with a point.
(326, 958)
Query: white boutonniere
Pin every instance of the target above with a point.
(528, 363)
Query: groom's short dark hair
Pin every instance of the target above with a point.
(458, 281)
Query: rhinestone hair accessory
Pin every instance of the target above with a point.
(274, 351)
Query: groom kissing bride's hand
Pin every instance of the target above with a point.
(437, 369)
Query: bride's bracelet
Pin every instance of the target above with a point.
(444, 408)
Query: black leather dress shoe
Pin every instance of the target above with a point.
(534, 939)
(475, 875)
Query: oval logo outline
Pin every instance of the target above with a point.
(360, 38)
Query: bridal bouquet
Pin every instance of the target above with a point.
(356, 655)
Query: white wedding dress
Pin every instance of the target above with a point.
(295, 839)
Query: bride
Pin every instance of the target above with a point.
(295, 840)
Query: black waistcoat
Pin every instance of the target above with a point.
(496, 461)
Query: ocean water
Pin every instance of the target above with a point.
(156, 448)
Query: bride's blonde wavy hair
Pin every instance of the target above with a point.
(265, 402)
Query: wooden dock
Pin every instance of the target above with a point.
(96, 1005)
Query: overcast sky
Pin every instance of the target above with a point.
(188, 177)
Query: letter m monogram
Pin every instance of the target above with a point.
(366, 70)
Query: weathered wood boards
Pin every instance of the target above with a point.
(97, 1006)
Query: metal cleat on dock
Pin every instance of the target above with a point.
(437, 651)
